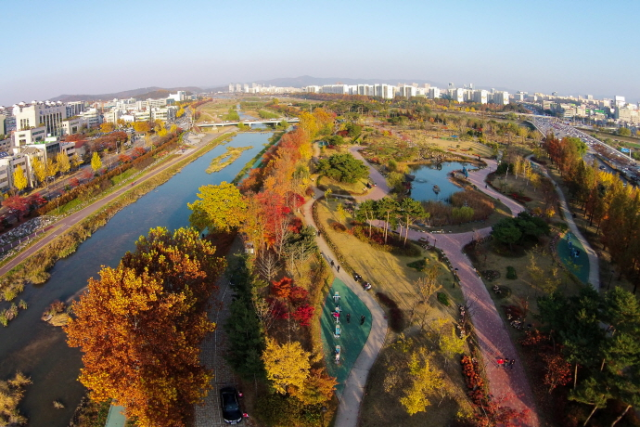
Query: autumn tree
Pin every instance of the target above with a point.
(19, 178)
(51, 168)
(142, 127)
(220, 207)
(318, 388)
(425, 381)
(62, 160)
(39, 169)
(76, 160)
(140, 326)
(16, 204)
(11, 393)
(107, 127)
(96, 163)
(287, 366)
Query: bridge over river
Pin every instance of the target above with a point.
(249, 122)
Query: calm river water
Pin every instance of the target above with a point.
(38, 349)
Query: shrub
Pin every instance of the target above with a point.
(511, 273)
(338, 227)
(396, 316)
(443, 299)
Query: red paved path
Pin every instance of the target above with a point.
(507, 385)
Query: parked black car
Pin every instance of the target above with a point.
(229, 399)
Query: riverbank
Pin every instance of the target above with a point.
(34, 347)
(49, 248)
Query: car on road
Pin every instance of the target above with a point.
(230, 402)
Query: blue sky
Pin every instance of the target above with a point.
(72, 46)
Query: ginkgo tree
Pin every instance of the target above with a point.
(220, 207)
(287, 366)
(140, 326)
(426, 380)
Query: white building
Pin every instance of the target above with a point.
(434, 93)
(29, 136)
(499, 97)
(48, 114)
(182, 95)
(481, 96)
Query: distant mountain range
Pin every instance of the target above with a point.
(153, 92)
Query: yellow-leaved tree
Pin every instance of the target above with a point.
(76, 160)
(107, 127)
(287, 366)
(19, 179)
(39, 169)
(63, 162)
(220, 207)
(52, 168)
(96, 163)
(426, 380)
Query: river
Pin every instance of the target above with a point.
(38, 349)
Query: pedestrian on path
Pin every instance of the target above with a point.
(338, 268)
(362, 319)
(500, 362)
(348, 317)
(332, 263)
(512, 362)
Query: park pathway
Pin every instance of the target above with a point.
(594, 265)
(509, 387)
(214, 348)
(352, 395)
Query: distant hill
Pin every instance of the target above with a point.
(153, 92)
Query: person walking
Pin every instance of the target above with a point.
(362, 319)
(348, 317)
(338, 268)
(500, 362)
(332, 264)
(512, 362)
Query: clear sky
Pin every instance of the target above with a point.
(72, 46)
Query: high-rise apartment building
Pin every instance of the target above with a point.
(47, 114)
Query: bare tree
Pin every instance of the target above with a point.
(267, 265)
(263, 311)
(428, 285)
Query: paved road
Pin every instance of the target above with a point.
(66, 223)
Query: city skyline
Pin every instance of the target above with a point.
(543, 47)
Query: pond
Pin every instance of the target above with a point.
(435, 174)
(40, 350)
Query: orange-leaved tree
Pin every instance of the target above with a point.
(140, 326)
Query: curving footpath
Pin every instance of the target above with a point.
(594, 265)
(352, 395)
(509, 387)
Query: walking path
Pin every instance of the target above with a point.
(594, 266)
(351, 398)
(214, 348)
(509, 387)
(66, 223)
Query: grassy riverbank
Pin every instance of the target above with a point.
(35, 268)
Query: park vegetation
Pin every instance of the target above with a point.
(140, 326)
(278, 288)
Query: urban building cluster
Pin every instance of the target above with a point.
(259, 89)
(604, 110)
(37, 129)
